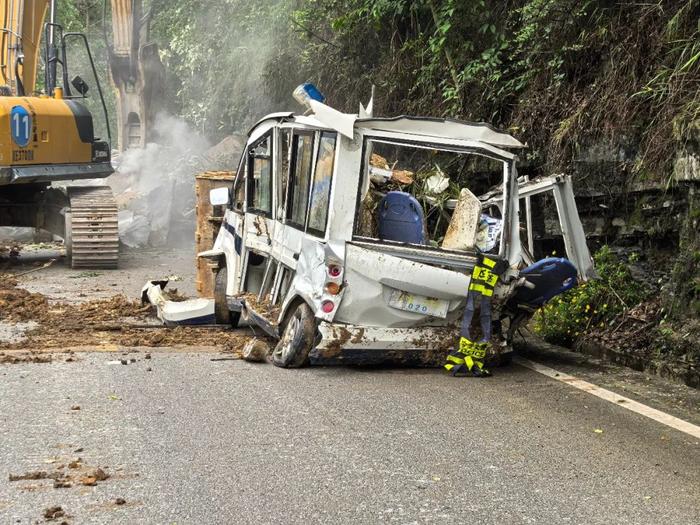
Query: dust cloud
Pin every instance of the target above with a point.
(225, 93)
(154, 186)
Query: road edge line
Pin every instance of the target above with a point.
(607, 395)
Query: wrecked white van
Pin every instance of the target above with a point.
(352, 238)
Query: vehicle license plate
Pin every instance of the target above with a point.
(418, 304)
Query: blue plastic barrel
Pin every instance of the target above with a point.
(401, 218)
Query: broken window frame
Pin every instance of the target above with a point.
(250, 186)
(282, 173)
(282, 283)
(292, 178)
(573, 234)
(239, 180)
(320, 136)
(449, 148)
(269, 279)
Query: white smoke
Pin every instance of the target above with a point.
(154, 186)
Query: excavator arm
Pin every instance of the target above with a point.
(22, 29)
(137, 73)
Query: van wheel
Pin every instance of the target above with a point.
(221, 312)
(292, 350)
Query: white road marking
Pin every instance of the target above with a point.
(612, 397)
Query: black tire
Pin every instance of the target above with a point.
(221, 312)
(292, 350)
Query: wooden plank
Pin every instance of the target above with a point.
(217, 175)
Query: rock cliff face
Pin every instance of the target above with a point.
(652, 222)
(684, 297)
(685, 290)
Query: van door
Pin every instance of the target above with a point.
(233, 231)
(258, 216)
(569, 221)
(258, 222)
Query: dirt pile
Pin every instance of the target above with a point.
(263, 307)
(174, 295)
(66, 475)
(182, 336)
(114, 321)
(17, 304)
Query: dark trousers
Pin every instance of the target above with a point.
(475, 299)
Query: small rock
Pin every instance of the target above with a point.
(256, 351)
(53, 513)
(149, 369)
(74, 464)
(100, 475)
(132, 360)
(78, 449)
(88, 481)
(62, 484)
(124, 361)
(147, 356)
(75, 407)
(120, 501)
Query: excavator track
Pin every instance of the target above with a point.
(92, 231)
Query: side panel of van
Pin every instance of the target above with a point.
(300, 238)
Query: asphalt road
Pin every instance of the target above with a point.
(205, 440)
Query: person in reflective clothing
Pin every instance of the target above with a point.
(468, 359)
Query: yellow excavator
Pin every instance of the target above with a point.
(47, 136)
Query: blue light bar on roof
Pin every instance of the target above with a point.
(306, 92)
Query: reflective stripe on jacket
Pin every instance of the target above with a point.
(483, 279)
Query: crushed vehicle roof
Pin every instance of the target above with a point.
(325, 116)
(443, 128)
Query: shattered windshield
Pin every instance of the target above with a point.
(427, 196)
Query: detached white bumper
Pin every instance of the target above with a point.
(190, 312)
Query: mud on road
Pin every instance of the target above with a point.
(32, 320)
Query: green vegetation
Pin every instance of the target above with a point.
(591, 305)
(561, 74)
(216, 55)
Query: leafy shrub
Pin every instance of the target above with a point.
(591, 304)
